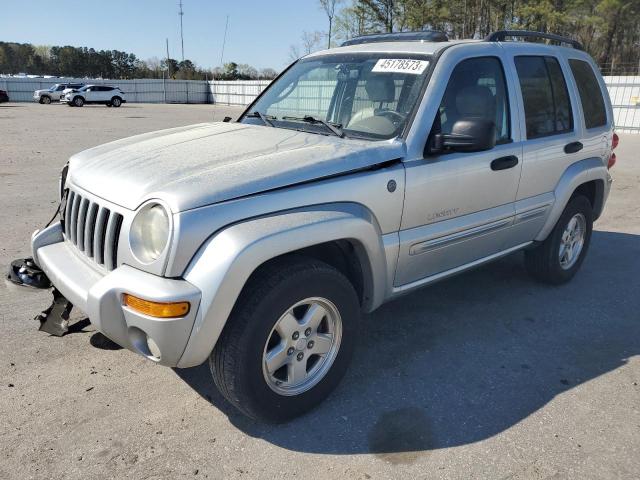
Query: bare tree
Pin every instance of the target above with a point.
(329, 7)
(294, 53)
(311, 41)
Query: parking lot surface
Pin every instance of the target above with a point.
(485, 375)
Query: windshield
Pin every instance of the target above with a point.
(364, 95)
(53, 88)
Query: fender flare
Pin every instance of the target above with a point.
(575, 175)
(225, 261)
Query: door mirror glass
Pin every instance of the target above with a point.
(467, 135)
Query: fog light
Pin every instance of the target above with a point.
(156, 309)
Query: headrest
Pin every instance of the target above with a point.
(381, 88)
(476, 101)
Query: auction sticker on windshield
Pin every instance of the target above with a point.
(400, 65)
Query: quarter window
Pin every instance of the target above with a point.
(476, 89)
(547, 107)
(591, 99)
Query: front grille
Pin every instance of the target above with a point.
(93, 229)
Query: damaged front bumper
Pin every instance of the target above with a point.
(99, 294)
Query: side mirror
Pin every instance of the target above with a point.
(467, 135)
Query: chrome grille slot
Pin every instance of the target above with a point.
(94, 229)
(89, 229)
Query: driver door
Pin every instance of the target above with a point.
(459, 205)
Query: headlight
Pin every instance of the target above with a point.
(149, 232)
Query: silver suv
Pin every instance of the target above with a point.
(363, 172)
(54, 92)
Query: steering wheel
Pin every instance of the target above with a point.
(396, 117)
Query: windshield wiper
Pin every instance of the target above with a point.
(262, 117)
(335, 128)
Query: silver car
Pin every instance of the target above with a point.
(55, 92)
(363, 172)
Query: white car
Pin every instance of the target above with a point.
(53, 94)
(102, 94)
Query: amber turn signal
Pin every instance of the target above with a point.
(156, 309)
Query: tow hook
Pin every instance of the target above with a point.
(55, 319)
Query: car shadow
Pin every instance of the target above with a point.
(465, 359)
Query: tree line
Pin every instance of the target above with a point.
(83, 62)
(608, 29)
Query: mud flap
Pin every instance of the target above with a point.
(55, 319)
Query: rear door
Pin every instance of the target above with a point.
(552, 126)
(104, 94)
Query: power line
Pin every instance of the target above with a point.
(224, 40)
(181, 14)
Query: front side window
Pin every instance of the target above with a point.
(476, 89)
(547, 107)
(367, 96)
(595, 114)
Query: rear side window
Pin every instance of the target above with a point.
(547, 107)
(595, 114)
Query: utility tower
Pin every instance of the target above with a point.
(181, 14)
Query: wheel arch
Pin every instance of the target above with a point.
(588, 177)
(345, 235)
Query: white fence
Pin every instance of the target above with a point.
(313, 97)
(237, 92)
(625, 98)
(144, 90)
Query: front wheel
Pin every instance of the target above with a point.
(558, 258)
(45, 100)
(288, 341)
(78, 101)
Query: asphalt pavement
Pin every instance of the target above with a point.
(487, 375)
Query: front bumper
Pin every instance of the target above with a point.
(99, 294)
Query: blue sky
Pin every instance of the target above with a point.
(260, 32)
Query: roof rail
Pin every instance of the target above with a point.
(501, 35)
(421, 36)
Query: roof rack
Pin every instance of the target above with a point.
(421, 36)
(501, 35)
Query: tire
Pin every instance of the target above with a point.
(116, 102)
(78, 101)
(45, 100)
(547, 262)
(238, 361)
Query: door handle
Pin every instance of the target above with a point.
(503, 163)
(573, 147)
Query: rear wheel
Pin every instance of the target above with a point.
(78, 101)
(116, 102)
(288, 341)
(558, 258)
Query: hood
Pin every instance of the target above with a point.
(198, 165)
